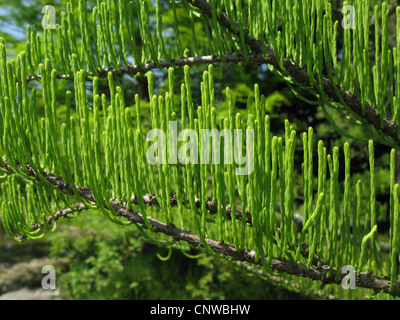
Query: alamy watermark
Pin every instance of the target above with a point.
(49, 19)
(191, 152)
(349, 280)
(349, 19)
(49, 281)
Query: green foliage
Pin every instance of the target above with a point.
(113, 263)
(90, 152)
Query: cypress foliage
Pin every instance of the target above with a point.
(97, 157)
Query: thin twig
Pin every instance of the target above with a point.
(190, 61)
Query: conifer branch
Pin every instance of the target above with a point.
(109, 157)
(63, 213)
(212, 208)
(151, 200)
(300, 75)
(190, 61)
(325, 274)
(364, 279)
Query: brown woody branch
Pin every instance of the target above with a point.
(190, 61)
(280, 281)
(212, 208)
(298, 74)
(301, 76)
(364, 279)
(64, 213)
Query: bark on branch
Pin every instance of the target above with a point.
(190, 61)
(301, 76)
(364, 279)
